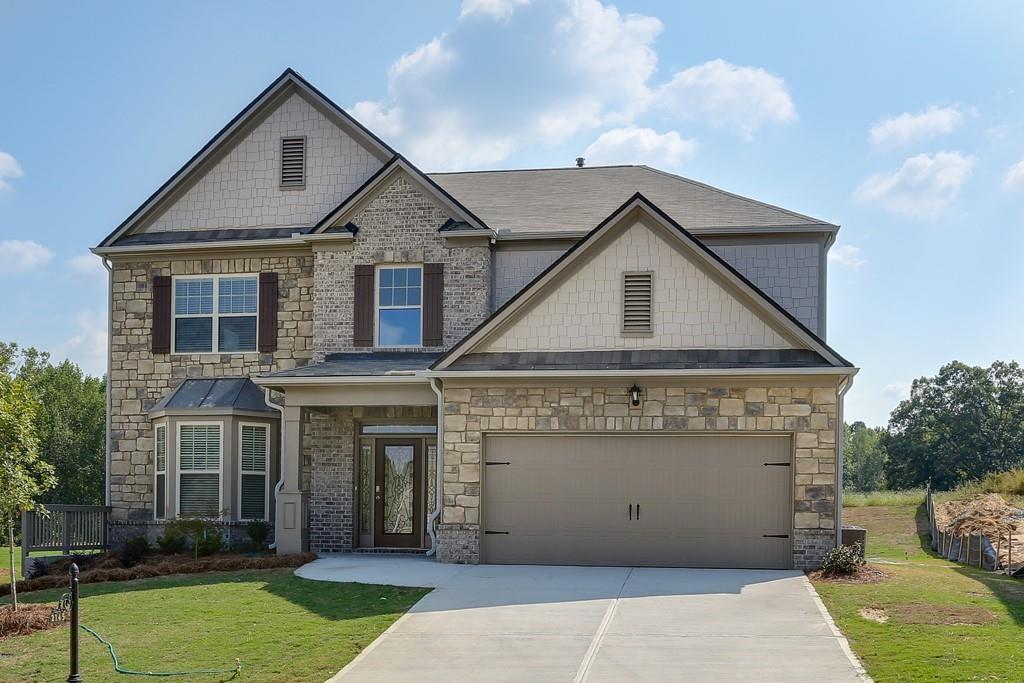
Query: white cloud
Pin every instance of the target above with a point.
(922, 187)
(495, 9)
(544, 72)
(846, 256)
(20, 256)
(907, 128)
(9, 169)
(88, 346)
(897, 391)
(729, 96)
(1014, 178)
(632, 145)
(88, 267)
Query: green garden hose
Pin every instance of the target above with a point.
(117, 664)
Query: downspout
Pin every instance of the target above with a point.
(280, 456)
(439, 485)
(110, 403)
(840, 454)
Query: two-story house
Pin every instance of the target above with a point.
(583, 365)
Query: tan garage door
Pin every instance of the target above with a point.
(638, 500)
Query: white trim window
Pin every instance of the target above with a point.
(200, 445)
(399, 305)
(215, 314)
(254, 454)
(160, 477)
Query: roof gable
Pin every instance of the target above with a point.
(743, 314)
(289, 90)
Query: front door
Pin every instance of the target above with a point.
(398, 506)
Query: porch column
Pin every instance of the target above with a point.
(291, 533)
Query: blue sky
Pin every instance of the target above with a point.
(903, 122)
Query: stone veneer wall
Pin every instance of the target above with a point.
(330, 438)
(808, 413)
(139, 378)
(400, 226)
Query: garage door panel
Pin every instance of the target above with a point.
(703, 500)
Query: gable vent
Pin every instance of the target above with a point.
(293, 162)
(637, 302)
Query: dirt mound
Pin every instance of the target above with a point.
(988, 515)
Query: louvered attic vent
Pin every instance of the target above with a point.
(293, 162)
(637, 302)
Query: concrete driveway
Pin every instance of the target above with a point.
(516, 623)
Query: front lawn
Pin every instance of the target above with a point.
(281, 627)
(5, 563)
(942, 622)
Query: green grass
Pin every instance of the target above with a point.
(281, 627)
(920, 587)
(859, 499)
(5, 563)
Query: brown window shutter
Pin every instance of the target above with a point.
(362, 323)
(433, 304)
(267, 340)
(161, 331)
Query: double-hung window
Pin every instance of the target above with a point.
(199, 458)
(254, 451)
(399, 305)
(160, 494)
(215, 314)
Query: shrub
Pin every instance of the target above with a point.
(1010, 482)
(172, 542)
(134, 550)
(204, 534)
(258, 533)
(845, 559)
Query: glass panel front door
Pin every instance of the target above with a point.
(397, 500)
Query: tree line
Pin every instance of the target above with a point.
(958, 426)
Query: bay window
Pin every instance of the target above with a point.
(199, 458)
(160, 492)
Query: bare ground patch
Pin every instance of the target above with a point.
(939, 615)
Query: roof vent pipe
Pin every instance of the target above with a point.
(579, 162)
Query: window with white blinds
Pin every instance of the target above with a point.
(215, 314)
(160, 488)
(637, 302)
(199, 456)
(254, 443)
(293, 162)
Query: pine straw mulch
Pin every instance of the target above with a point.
(990, 515)
(865, 574)
(28, 619)
(107, 567)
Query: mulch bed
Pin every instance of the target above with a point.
(28, 619)
(107, 567)
(865, 574)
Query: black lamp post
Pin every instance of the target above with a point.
(74, 676)
(634, 395)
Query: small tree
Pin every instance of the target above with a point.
(23, 475)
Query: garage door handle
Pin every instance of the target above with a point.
(638, 512)
(776, 464)
(631, 511)
(774, 535)
(503, 533)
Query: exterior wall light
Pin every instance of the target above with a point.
(634, 395)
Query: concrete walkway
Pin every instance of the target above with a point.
(516, 623)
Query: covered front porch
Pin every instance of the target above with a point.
(359, 455)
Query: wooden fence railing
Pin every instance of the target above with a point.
(64, 528)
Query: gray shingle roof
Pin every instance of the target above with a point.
(363, 364)
(643, 359)
(237, 393)
(221, 235)
(556, 199)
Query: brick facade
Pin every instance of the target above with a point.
(807, 413)
(400, 225)
(139, 378)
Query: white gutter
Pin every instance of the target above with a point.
(840, 455)
(439, 469)
(682, 372)
(280, 458)
(416, 378)
(110, 403)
